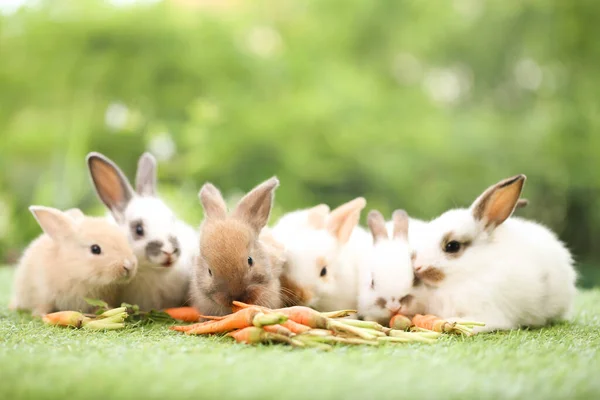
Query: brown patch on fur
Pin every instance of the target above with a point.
(431, 274)
(407, 300)
(499, 201)
(380, 302)
(292, 293)
(464, 244)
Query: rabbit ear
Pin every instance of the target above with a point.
(112, 186)
(255, 207)
(317, 216)
(53, 222)
(400, 218)
(212, 201)
(75, 213)
(145, 179)
(343, 219)
(376, 223)
(498, 202)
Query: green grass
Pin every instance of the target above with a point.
(154, 363)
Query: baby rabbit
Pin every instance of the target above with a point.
(238, 260)
(75, 258)
(165, 246)
(386, 276)
(479, 264)
(322, 261)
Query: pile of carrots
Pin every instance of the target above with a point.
(108, 320)
(304, 327)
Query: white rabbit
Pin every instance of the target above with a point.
(386, 273)
(165, 246)
(479, 264)
(75, 258)
(291, 223)
(321, 268)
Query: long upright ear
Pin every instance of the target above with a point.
(212, 201)
(53, 222)
(522, 203)
(400, 219)
(255, 207)
(145, 179)
(75, 213)
(376, 223)
(112, 186)
(341, 219)
(317, 216)
(342, 211)
(498, 202)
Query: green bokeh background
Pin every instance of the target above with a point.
(413, 104)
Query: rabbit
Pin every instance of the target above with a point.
(75, 258)
(321, 268)
(480, 264)
(312, 218)
(165, 246)
(386, 271)
(239, 259)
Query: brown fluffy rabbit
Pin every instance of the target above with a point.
(76, 257)
(238, 260)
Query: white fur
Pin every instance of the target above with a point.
(386, 272)
(519, 274)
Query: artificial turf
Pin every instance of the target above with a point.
(151, 362)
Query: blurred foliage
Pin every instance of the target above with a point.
(412, 104)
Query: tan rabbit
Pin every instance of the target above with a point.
(238, 259)
(76, 257)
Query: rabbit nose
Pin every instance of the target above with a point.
(128, 266)
(170, 253)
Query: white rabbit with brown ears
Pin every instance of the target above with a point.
(165, 246)
(479, 264)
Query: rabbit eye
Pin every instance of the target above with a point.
(250, 261)
(323, 271)
(139, 230)
(95, 249)
(452, 247)
(372, 283)
(209, 272)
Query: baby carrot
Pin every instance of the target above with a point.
(64, 318)
(440, 325)
(400, 322)
(186, 314)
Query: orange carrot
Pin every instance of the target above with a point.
(185, 328)
(254, 335)
(241, 319)
(400, 322)
(436, 324)
(295, 327)
(279, 329)
(186, 314)
(65, 318)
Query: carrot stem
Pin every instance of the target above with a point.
(414, 337)
(339, 313)
(262, 319)
(362, 324)
(337, 326)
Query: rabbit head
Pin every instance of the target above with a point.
(453, 246)
(390, 266)
(234, 263)
(149, 223)
(91, 251)
(312, 254)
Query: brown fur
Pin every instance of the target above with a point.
(464, 244)
(499, 201)
(431, 274)
(223, 273)
(380, 302)
(293, 294)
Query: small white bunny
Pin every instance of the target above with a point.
(386, 276)
(165, 246)
(479, 264)
(322, 260)
(75, 258)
